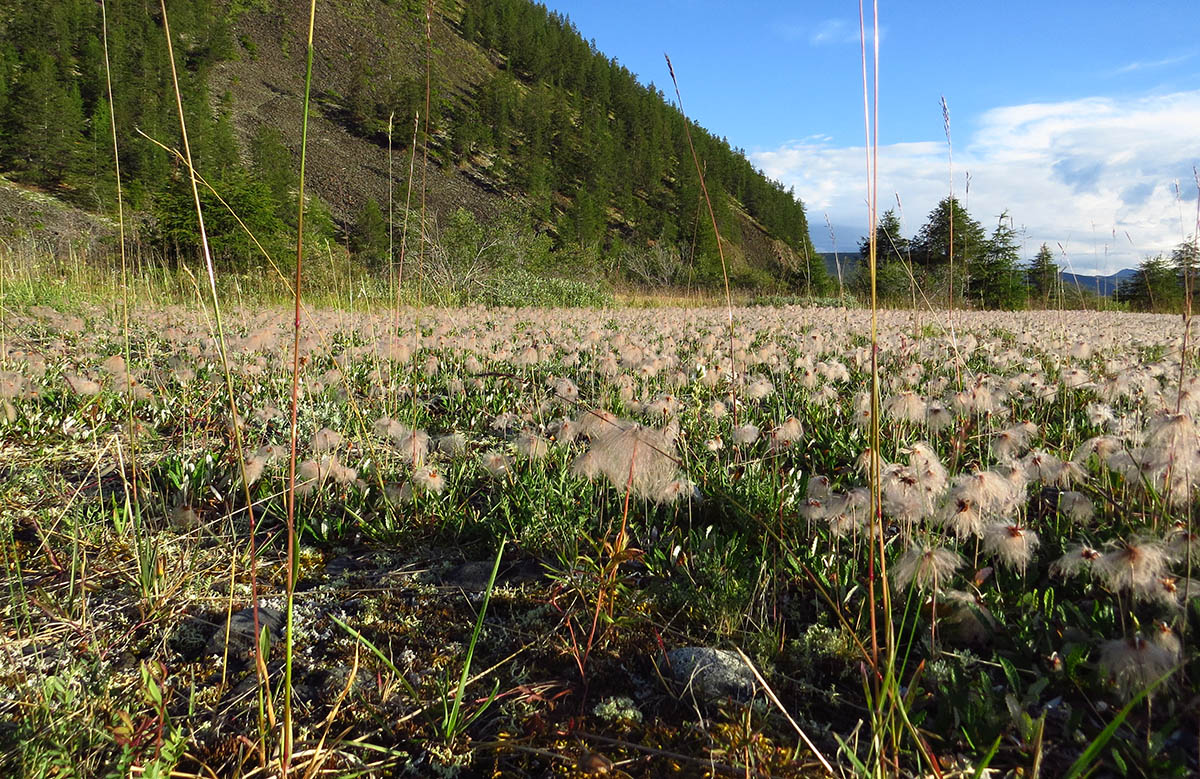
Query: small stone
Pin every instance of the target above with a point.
(595, 764)
(711, 675)
(241, 629)
(470, 576)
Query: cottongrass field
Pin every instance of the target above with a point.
(599, 542)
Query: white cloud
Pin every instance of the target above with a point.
(831, 31)
(1151, 64)
(1096, 175)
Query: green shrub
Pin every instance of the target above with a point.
(520, 288)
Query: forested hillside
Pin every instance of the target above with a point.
(527, 125)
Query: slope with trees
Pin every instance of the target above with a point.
(522, 118)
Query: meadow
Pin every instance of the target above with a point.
(621, 542)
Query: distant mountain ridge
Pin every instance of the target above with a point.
(1105, 286)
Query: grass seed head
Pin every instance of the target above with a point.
(327, 440)
(1133, 664)
(925, 567)
(1079, 558)
(1011, 543)
(1134, 565)
(429, 479)
(532, 445)
(907, 406)
(746, 434)
(496, 463)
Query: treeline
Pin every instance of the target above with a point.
(1163, 284)
(987, 271)
(953, 260)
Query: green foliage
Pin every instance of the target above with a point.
(271, 162)
(455, 721)
(598, 159)
(44, 126)
(1155, 287)
(893, 263)
(1163, 285)
(176, 230)
(813, 278)
(504, 263)
(921, 267)
(520, 288)
(1042, 276)
(932, 244)
(995, 281)
(55, 128)
(369, 240)
(1186, 261)
(986, 271)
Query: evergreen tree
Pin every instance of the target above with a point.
(369, 240)
(176, 229)
(271, 162)
(946, 275)
(1186, 261)
(1154, 287)
(1041, 276)
(45, 123)
(996, 279)
(814, 278)
(931, 246)
(893, 258)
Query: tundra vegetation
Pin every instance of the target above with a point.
(457, 514)
(644, 485)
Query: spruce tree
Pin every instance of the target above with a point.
(271, 162)
(369, 239)
(893, 260)
(1041, 276)
(931, 247)
(1154, 287)
(996, 280)
(948, 228)
(1186, 261)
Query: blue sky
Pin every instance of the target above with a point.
(1078, 118)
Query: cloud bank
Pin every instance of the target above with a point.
(1097, 175)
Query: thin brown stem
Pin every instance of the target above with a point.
(717, 232)
(286, 756)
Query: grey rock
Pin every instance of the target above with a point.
(710, 675)
(338, 679)
(241, 630)
(471, 576)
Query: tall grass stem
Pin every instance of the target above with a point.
(295, 406)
